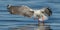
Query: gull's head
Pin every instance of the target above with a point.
(44, 13)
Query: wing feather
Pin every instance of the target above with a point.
(21, 10)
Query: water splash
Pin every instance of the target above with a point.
(45, 18)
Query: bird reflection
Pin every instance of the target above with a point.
(40, 26)
(43, 26)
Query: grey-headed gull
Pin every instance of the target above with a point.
(42, 14)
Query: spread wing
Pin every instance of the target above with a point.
(20, 10)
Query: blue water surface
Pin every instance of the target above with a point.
(7, 20)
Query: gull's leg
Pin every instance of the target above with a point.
(38, 22)
(43, 23)
(43, 20)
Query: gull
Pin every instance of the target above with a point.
(40, 14)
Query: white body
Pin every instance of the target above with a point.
(38, 12)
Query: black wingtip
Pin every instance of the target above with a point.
(8, 6)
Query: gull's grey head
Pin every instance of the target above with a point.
(47, 11)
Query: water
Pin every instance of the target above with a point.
(8, 21)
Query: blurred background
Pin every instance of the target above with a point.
(8, 21)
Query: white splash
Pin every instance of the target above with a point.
(45, 18)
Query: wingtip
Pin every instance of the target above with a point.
(9, 5)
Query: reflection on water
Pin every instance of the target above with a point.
(40, 26)
(43, 26)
